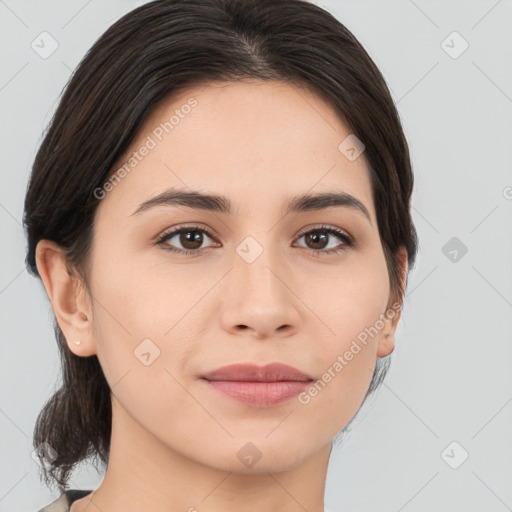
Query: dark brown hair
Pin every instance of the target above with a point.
(157, 49)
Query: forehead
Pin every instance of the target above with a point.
(247, 140)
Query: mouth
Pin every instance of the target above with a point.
(258, 386)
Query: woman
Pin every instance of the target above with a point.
(220, 215)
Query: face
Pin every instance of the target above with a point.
(259, 282)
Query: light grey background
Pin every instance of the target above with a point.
(450, 378)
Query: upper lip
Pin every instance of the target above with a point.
(250, 372)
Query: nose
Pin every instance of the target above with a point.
(259, 300)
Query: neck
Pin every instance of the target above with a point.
(145, 474)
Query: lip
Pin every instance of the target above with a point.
(258, 386)
(250, 372)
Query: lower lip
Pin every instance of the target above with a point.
(259, 394)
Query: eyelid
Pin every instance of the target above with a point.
(320, 227)
(177, 229)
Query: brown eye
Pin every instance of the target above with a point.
(318, 240)
(189, 238)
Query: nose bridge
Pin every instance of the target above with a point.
(257, 295)
(257, 264)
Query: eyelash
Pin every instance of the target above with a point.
(348, 241)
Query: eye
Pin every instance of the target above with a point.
(322, 236)
(190, 237)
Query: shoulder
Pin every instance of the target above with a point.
(63, 502)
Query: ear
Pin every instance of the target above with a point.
(392, 314)
(68, 297)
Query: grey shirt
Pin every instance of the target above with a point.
(63, 502)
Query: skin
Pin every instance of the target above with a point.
(175, 442)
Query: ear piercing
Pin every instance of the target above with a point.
(84, 316)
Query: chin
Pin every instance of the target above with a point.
(260, 456)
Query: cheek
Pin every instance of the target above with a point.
(347, 361)
(144, 326)
(349, 298)
(138, 301)
(350, 308)
(142, 365)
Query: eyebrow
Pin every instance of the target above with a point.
(221, 204)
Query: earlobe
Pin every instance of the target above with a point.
(67, 298)
(386, 345)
